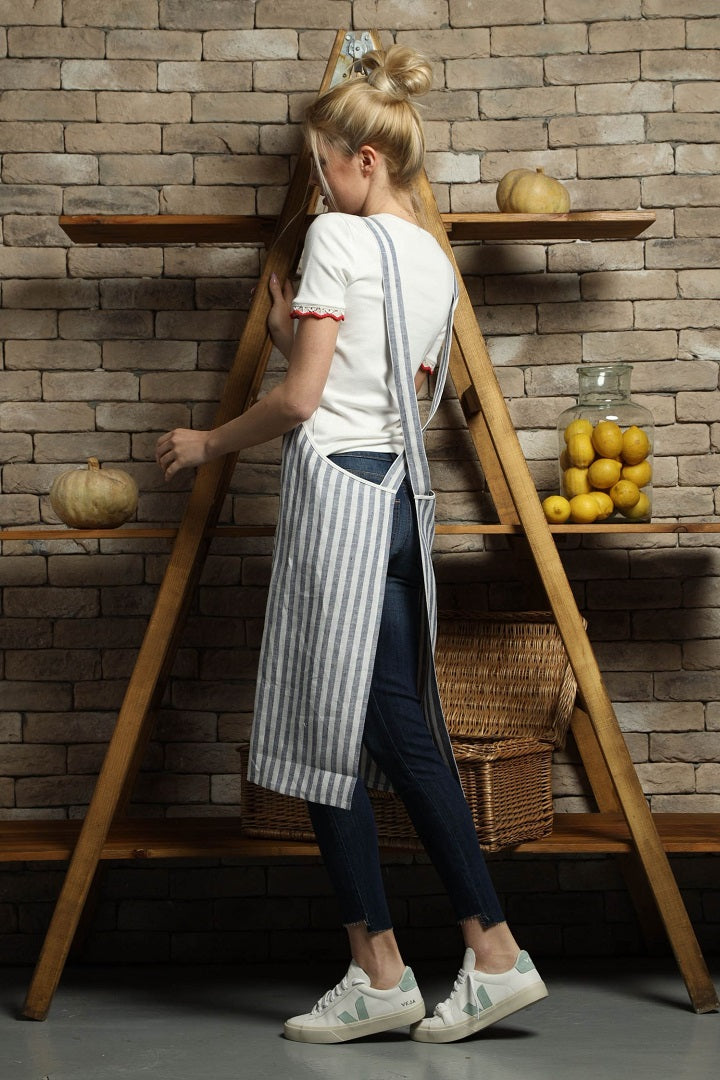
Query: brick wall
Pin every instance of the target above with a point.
(193, 108)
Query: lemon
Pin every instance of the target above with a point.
(575, 482)
(580, 450)
(583, 509)
(625, 494)
(607, 438)
(639, 474)
(605, 504)
(578, 427)
(604, 472)
(564, 460)
(635, 445)
(556, 509)
(640, 511)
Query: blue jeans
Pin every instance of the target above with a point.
(397, 737)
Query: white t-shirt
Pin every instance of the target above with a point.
(342, 280)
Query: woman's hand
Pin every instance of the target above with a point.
(280, 325)
(181, 449)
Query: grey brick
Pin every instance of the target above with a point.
(204, 75)
(111, 200)
(251, 45)
(38, 230)
(135, 13)
(39, 416)
(29, 74)
(42, 293)
(142, 293)
(254, 108)
(109, 75)
(149, 355)
(692, 747)
(55, 41)
(35, 695)
(31, 12)
(211, 15)
(138, 107)
(113, 138)
(33, 262)
(51, 354)
(221, 138)
(495, 12)
(91, 386)
(154, 44)
(101, 325)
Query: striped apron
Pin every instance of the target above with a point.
(327, 589)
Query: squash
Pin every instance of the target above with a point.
(530, 191)
(94, 498)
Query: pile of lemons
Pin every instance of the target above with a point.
(603, 470)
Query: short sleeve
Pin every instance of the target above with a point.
(325, 273)
(429, 361)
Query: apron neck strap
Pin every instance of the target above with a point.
(416, 460)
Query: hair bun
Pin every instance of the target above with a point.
(400, 72)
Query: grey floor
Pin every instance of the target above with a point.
(603, 1019)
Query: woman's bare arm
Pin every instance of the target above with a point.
(285, 406)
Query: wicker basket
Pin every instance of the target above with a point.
(504, 675)
(507, 784)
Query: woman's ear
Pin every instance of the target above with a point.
(368, 159)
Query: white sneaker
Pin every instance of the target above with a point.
(478, 999)
(355, 1008)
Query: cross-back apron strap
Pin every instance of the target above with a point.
(414, 460)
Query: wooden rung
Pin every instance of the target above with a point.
(239, 229)
(131, 532)
(168, 838)
(168, 228)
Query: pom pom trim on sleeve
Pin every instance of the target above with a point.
(317, 311)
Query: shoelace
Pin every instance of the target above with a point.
(328, 998)
(443, 1006)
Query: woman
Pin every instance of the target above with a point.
(346, 694)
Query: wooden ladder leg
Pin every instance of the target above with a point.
(127, 744)
(603, 788)
(650, 852)
(480, 374)
(160, 642)
(494, 475)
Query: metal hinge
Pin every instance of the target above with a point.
(354, 47)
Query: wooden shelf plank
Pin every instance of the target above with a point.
(597, 527)
(169, 838)
(590, 225)
(140, 532)
(242, 229)
(168, 228)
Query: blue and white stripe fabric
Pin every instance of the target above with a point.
(327, 589)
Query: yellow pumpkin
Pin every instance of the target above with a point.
(530, 191)
(94, 498)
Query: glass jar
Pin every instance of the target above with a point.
(605, 448)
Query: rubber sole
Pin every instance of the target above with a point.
(346, 1032)
(536, 992)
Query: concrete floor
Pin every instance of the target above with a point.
(603, 1019)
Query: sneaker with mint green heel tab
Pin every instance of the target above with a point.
(479, 999)
(354, 1008)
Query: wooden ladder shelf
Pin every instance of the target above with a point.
(625, 823)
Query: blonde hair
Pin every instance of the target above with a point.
(375, 110)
